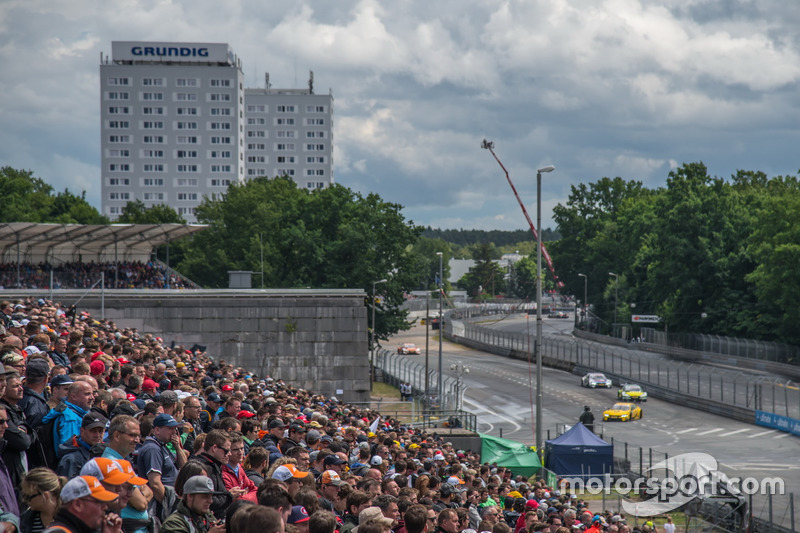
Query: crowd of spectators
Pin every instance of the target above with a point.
(79, 275)
(105, 428)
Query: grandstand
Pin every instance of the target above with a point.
(75, 256)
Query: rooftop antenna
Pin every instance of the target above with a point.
(266, 81)
(311, 82)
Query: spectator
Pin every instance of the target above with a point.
(155, 462)
(233, 473)
(59, 389)
(216, 449)
(84, 502)
(193, 514)
(69, 413)
(41, 491)
(123, 436)
(9, 506)
(257, 519)
(78, 451)
(17, 437)
(33, 402)
(255, 464)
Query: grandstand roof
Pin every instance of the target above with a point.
(27, 242)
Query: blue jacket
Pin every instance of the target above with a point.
(67, 425)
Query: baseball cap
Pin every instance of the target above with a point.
(200, 485)
(31, 350)
(149, 384)
(372, 513)
(106, 470)
(97, 368)
(214, 397)
(447, 489)
(244, 413)
(37, 368)
(297, 428)
(329, 477)
(286, 472)
(227, 388)
(93, 420)
(165, 420)
(376, 460)
(599, 519)
(83, 486)
(298, 515)
(127, 468)
(333, 460)
(277, 423)
(169, 395)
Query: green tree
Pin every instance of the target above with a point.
(135, 212)
(425, 250)
(486, 277)
(328, 238)
(26, 198)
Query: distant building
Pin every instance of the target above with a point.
(177, 125)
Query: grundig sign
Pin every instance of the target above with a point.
(650, 319)
(169, 51)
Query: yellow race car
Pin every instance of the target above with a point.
(624, 412)
(631, 393)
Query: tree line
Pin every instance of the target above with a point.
(706, 254)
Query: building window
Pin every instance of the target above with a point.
(315, 109)
(118, 95)
(285, 109)
(185, 97)
(119, 81)
(186, 125)
(119, 124)
(315, 122)
(256, 134)
(286, 159)
(153, 139)
(219, 97)
(114, 210)
(315, 172)
(284, 122)
(315, 147)
(116, 139)
(119, 182)
(119, 110)
(220, 168)
(119, 167)
(152, 97)
(154, 167)
(285, 172)
(151, 154)
(153, 110)
(186, 182)
(119, 153)
(188, 111)
(186, 154)
(153, 82)
(313, 159)
(220, 83)
(153, 197)
(186, 210)
(119, 196)
(187, 196)
(187, 82)
(219, 182)
(256, 159)
(256, 109)
(256, 146)
(187, 168)
(221, 140)
(220, 111)
(153, 182)
(225, 126)
(284, 147)
(286, 134)
(219, 154)
(153, 125)
(315, 134)
(187, 139)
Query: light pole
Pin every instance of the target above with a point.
(616, 293)
(539, 391)
(372, 336)
(585, 301)
(441, 329)
(460, 370)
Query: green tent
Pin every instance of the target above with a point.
(510, 454)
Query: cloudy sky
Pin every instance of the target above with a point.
(627, 88)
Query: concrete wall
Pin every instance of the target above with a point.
(315, 339)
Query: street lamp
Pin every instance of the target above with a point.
(539, 392)
(441, 328)
(460, 370)
(372, 336)
(585, 300)
(616, 293)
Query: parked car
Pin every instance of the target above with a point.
(408, 348)
(624, 412)
(594, 380)
(631, 393)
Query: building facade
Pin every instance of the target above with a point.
(177, 125)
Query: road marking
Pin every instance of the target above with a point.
(761, 434)
(709, 432)
(735, 432)
(494, 413)
(685, 431)
(783, 436)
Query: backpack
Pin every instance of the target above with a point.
(43, 451)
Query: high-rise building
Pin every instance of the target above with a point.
(178, 125)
